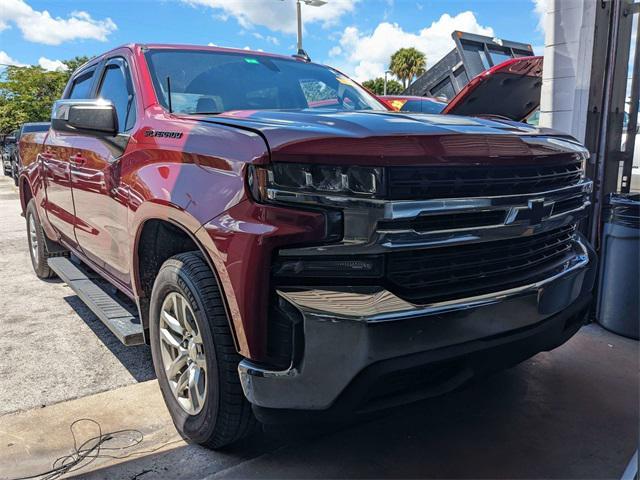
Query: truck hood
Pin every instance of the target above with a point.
(387, 138)
(510, 89)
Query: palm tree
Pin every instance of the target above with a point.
(408, 63)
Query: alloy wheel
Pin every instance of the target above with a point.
(183, 355)
(33, 240)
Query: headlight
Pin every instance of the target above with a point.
(315, 179)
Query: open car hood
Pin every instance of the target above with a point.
(510, 90)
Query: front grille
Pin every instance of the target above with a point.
(437, 274)
(567, 205)
(410, 183)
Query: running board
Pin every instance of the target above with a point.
(110, 310)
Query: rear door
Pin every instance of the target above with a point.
(101, 201)
(58, 151)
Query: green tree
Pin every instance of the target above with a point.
(408, 63)
(27, 93)
(377, 86)
(74, 63)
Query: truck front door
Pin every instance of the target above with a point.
(59, 149)
(101, 200)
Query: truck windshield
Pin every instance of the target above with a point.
(215, 82)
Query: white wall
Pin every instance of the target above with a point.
(569, 33)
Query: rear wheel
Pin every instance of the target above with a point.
(194, 354)
(35, 238)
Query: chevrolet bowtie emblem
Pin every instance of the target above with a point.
(537, 210)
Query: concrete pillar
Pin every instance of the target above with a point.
(569, 35)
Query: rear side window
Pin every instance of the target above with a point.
(114, 88)
(81, 87)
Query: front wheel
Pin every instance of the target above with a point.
(194, 354)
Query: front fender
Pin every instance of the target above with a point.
(187, 223)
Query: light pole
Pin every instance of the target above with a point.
(311, 3)
(386, 72)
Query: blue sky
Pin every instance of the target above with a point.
(354, 35)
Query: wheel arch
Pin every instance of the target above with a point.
(150, 228)
(26, 193)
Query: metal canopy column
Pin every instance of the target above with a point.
(603, 136)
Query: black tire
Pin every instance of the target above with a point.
(37, 252)
(226, 415)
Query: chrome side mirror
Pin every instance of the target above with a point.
(91, 117)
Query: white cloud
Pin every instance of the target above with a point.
(335, 51)
(5, 59)
(276, 15)
(52, 65)
(40, 27)
(367, 56)
(43, 62)
(540, 9)
(268, 38)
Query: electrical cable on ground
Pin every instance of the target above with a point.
(94, 448)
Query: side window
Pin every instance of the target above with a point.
(317, 91)
(81, 87)
(114, 87)
(322, 95)
(412, 106)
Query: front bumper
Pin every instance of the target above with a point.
(340, 350)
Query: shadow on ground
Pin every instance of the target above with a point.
(137, 359)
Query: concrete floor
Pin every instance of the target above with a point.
(53, 347)
(570, 413)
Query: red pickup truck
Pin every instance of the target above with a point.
(288, 246)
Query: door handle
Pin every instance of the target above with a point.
(77, 160)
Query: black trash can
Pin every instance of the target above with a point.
(618, 307)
